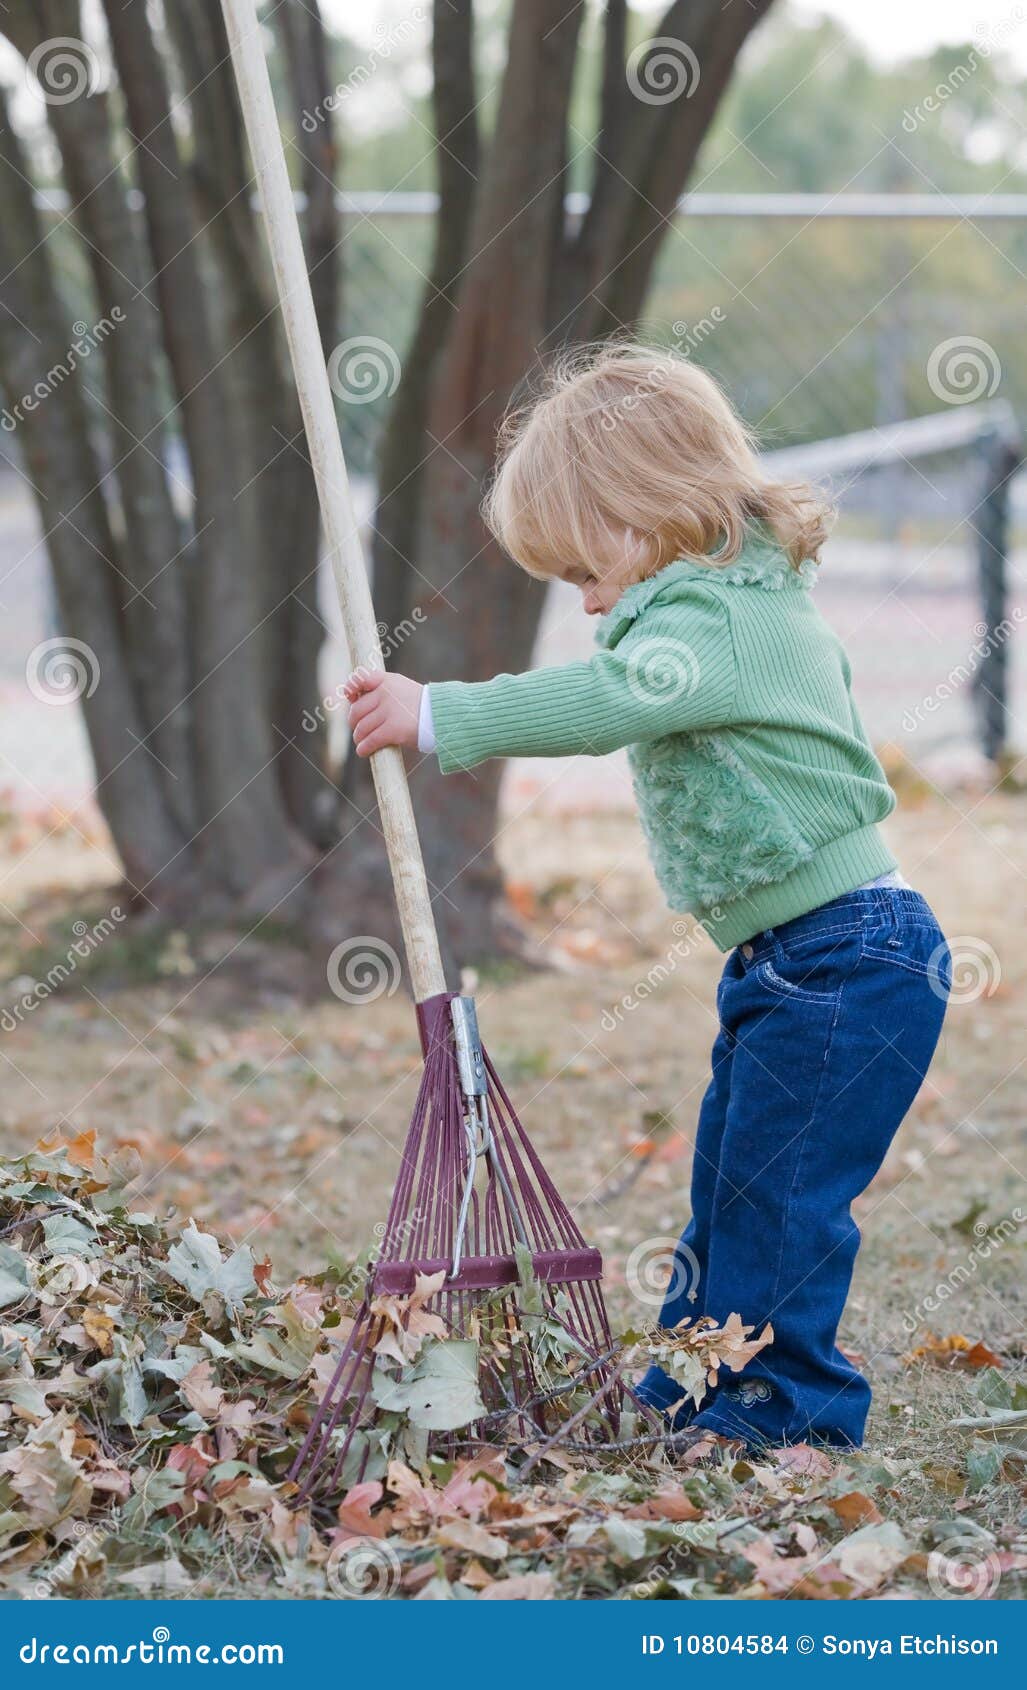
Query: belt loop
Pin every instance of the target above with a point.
(885, 909)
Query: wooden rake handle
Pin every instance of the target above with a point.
(338, 515)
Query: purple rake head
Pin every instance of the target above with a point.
(471, 1190)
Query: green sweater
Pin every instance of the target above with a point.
(757, 789)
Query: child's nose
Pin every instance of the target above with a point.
(589, 604)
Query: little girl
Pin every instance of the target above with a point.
(760, 799)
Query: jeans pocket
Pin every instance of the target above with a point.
(782, 987)
(812, 969)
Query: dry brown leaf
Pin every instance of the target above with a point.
(354, 1511)
(955, 1351)
(855, 1509)
(200, 1392)
(665, 1505)
(465, 1534)
(237, 1416)
(44, 1474)
(731, 1346)
(872, 1553)
(523, 898)
(803, 1459)
(474, 1486)
(475, 1576)
(81, 1149)
(523, 1587)
(105, 1475)
(99, 1329)
(794, 1576)
(416, 1503)
(406, 1321)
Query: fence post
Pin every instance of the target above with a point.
(1002, 455)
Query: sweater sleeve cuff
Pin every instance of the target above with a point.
(454, 718)
(425, 725)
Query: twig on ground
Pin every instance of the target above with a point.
(575, 1420)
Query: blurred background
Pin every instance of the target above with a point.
(824, 205)
(846, 255)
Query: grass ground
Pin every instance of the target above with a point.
(276, 1115)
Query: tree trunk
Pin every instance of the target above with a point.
(241, 828)
(407, 454)
(483, 615)
(151, 564)
(275, 483)
(309, 791)
(660, 143)
(36, 339)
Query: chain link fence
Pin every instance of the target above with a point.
(824, 317)
(821, 316)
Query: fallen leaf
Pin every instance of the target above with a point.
(855, 1509)
(195, 1261)
(406, 1322)
(523, 1587)
(475, 1576)
(200, 1391)
(665, 1505)
(804, 1460)
(99, 1328)
(475, 1486)
(354, 1511)
(870, 1554)
(465, 1534)
(166, 1578)
(955, 1350)
(439, 1391)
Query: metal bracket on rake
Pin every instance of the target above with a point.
(470, 1061)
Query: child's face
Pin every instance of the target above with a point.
(602, 581)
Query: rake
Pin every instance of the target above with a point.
(472, 1201)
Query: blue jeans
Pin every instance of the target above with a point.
(827, 1028)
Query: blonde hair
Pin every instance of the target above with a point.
(632, 437)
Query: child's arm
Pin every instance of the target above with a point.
(653, 683)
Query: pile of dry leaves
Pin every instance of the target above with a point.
(154, 1388)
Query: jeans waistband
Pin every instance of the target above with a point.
(850, 911)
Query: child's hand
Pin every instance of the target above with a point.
(383, 710)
